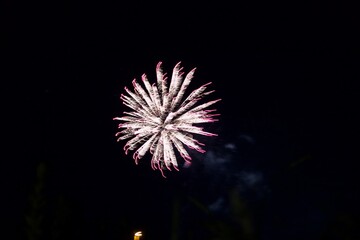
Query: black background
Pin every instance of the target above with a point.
(282, 167)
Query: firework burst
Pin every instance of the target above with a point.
(163, 118)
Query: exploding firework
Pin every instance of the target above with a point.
(162, 118)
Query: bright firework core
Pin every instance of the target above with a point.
(162, 118)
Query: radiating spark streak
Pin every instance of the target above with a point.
(161, 122)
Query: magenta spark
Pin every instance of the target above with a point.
(162, 117)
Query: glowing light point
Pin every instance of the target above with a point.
(137, 235)
(163, 119)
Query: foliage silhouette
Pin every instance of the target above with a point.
(36, 212)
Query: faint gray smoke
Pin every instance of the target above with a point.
(226, 170)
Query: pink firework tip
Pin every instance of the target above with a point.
(134, 82)
(207, 84)
(158, 66)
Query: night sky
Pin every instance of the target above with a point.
(283, 163)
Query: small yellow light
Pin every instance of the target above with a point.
(137, 235)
